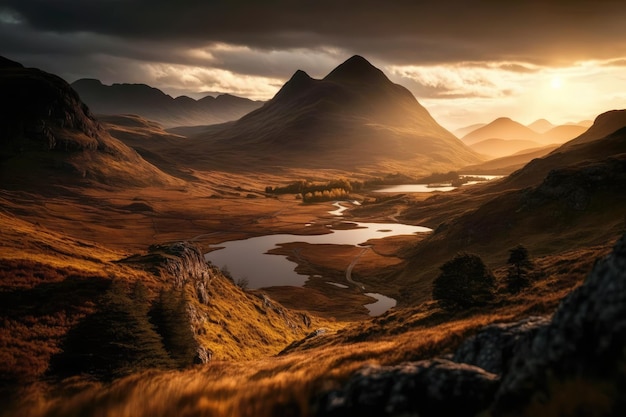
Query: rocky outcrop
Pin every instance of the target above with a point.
(576, 186)
(427, 388)
(571, 364)
(226, 321)
(184, 263)
(493, 348)
(585, 341)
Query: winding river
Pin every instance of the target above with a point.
(248, 258)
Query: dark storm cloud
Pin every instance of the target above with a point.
(401, 31)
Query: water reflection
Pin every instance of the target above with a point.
(382, 304)
(429, 188)
(248, 258)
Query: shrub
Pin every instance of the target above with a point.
(116, 340)
(171, 318)
(464, 282)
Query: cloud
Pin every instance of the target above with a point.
(452, 53)
(462, 80)
(401, 31)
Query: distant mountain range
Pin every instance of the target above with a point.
(504, 136)
(354, 118)
(602, 126)
(153, 104)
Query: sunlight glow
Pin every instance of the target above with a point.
(556, 82)
(459, 94)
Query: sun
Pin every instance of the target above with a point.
(556, 82)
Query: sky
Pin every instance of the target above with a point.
(466, 61)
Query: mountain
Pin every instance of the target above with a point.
(153, 104)
(48, 135)
(355, 117)
(501, 128)
(541, 126)
(562, 133)
(496, 148)
(459, 133)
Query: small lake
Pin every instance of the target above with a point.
(248, 258)
(429, 188)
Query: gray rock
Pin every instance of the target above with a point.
(493, 347)
(426, 388)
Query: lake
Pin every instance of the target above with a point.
(429, 188)
(248, 258)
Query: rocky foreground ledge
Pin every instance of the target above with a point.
(573, 364)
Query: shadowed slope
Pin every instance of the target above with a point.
(49, 135)
(567, 200)
(603, 125)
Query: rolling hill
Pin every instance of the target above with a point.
(497, 148)
(507, 164)
(50, 137)
(459, 133)
(354, 118)
(501, 128)
(153, 104)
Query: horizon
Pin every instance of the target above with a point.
(559, 61)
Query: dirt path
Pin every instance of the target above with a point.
(351, 267)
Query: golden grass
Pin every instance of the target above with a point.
(284, 385)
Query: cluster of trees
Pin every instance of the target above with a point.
(129, 333)
(316, 189)
(326, 195)
(465, 281)
(304, 187)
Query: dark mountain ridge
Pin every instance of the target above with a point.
(153, 104)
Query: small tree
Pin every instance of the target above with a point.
(520, 267)
(243, 283)
(464, 282)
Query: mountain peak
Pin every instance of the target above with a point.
(356, 69)
(300, 81)
(541, 126)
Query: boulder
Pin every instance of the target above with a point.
(435, 387)
(493, 347)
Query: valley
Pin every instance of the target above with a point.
(327, 215)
